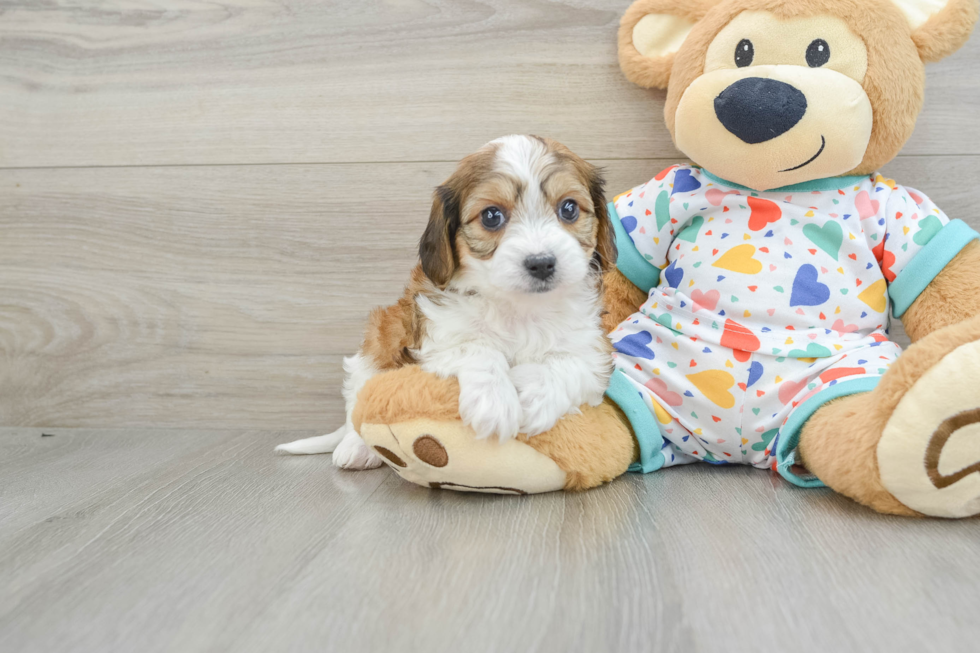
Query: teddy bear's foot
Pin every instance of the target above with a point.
(912, 446)
(929, 451)
(411, 419)
(447, 455)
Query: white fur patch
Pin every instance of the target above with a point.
(352, 453)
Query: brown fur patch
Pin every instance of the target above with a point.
(493, 189)
(394, 331)
(578, 179)
(620, 299)
(437, 248)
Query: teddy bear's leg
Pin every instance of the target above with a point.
(912, 445)
(411, 418)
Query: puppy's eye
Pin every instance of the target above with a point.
(818, 53)
(492, 218)
(568, 211)
(744, 53)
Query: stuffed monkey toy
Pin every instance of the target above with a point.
(753, 290)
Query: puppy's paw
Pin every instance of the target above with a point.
(353, 454)
(543, 400)
(490, 406)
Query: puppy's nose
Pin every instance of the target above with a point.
(757, 110)
(541, 266)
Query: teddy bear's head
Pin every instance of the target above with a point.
(768, 93)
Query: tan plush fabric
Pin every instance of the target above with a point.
(396, 411)
(446, 454)
(405, 394)
(894, 82)
(951, 297)
(929, 453)
(840, 442)
(947, 31)
(593, 448)
(652, 72)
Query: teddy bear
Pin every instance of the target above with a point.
(750, 303)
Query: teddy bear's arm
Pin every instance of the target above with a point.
(620, 298)
(952, 297)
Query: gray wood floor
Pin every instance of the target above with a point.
(200, 202)
(153, 540)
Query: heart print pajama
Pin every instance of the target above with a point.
(762, 307)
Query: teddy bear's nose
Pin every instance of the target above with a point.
(757, 109)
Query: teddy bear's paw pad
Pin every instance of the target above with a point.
(447, 455)
(929, 452)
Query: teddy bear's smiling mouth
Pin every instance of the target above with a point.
(823, 144)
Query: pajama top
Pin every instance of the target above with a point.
(762, 306)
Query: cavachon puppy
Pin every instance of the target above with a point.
(506, 298)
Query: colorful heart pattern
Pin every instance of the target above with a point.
(739, 259)
(764, 300)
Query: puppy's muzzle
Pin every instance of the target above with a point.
(540, 266)
(757, 110)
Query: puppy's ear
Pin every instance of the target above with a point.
(939, 27)
(651, 32)
(605, 247)
(437, 248)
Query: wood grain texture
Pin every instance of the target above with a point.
(225, 296)
(287, 81)
(202, 541)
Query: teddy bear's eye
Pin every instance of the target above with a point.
(818, 53)
(744, 53)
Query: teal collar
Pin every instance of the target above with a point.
(827, 183)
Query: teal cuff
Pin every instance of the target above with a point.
(789, 434)
(630, 262)
(645, 427)
(928, 263)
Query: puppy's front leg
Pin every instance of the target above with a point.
(557, 386)
(488, 401)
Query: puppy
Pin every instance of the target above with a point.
(506, 297)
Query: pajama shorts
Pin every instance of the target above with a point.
(691, 398)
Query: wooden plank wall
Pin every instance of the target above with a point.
(200, 202)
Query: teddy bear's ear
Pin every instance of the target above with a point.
(939, 27)
(650, 32)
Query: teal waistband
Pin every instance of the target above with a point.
(630, 262)
(645, 427)
(928, 263)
